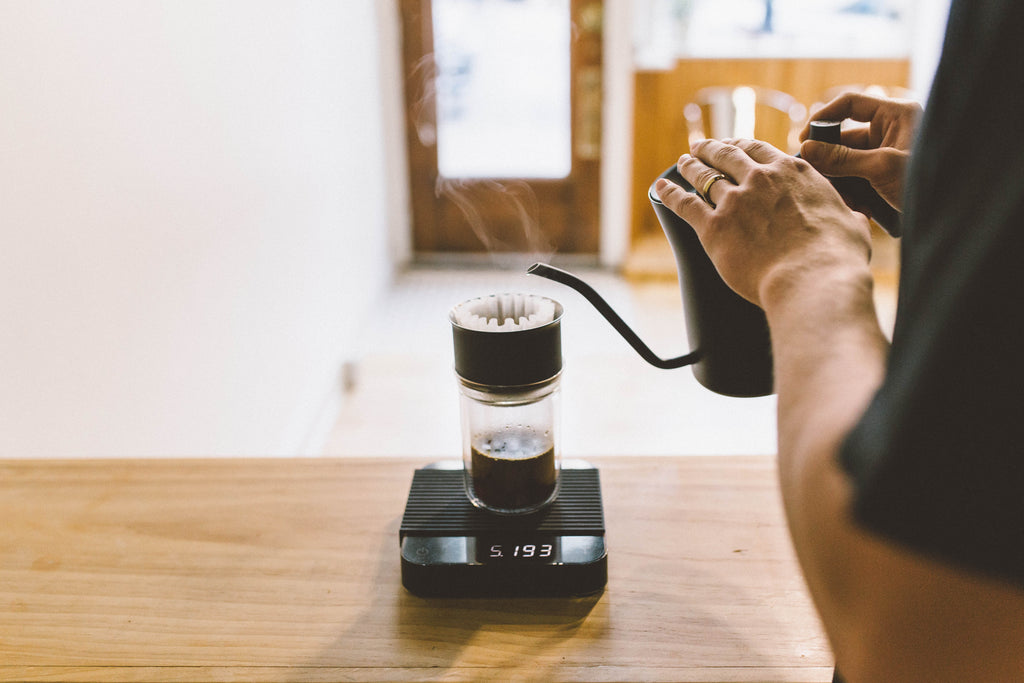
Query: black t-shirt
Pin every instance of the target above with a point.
(938, 458)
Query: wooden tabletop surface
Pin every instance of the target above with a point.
(284, 570)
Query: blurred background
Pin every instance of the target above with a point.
(236, 227)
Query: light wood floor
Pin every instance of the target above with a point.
(403, 398)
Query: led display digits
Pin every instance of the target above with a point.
(527, 549)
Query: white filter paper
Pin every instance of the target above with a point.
(504, 312)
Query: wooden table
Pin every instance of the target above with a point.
(275, 570)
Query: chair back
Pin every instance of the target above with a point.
(745, 112)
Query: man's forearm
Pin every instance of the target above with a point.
(830, 355)
(889, 613)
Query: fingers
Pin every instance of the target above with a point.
(710, 183)
(716, 166)
(712, 166)
(858, 137)
(687, 205)
(759, 151)
(881, 167)
(847, 106)
(723, 157)
(832, 160)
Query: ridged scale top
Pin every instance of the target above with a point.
(437, 506)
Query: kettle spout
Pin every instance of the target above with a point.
(602, 306)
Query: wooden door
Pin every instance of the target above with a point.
(536, 193)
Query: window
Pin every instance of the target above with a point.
(671, 29)
(503, 71)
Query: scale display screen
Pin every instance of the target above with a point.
(543, 549)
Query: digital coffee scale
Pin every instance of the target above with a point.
(450, 548)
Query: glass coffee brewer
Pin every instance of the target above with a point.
(508, 361)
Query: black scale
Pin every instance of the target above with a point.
(452, 549)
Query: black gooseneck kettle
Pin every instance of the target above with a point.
(728, 335)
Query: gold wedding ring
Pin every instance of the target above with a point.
(707, 188)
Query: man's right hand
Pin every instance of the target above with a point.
(878, 152)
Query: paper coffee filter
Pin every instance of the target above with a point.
(504, 312)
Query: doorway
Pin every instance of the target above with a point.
(503, 124)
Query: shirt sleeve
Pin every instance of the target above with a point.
(937, 460)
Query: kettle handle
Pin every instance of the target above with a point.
(588, 293)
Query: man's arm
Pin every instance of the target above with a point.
(891, 615)
(782, 238)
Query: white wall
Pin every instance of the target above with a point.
(192, 222)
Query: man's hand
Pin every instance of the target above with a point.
(774, 220)
(878, 152)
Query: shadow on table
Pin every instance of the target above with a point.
(430, 636)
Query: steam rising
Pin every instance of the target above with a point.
(477, 198)
(424, 108)
(512, 198)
